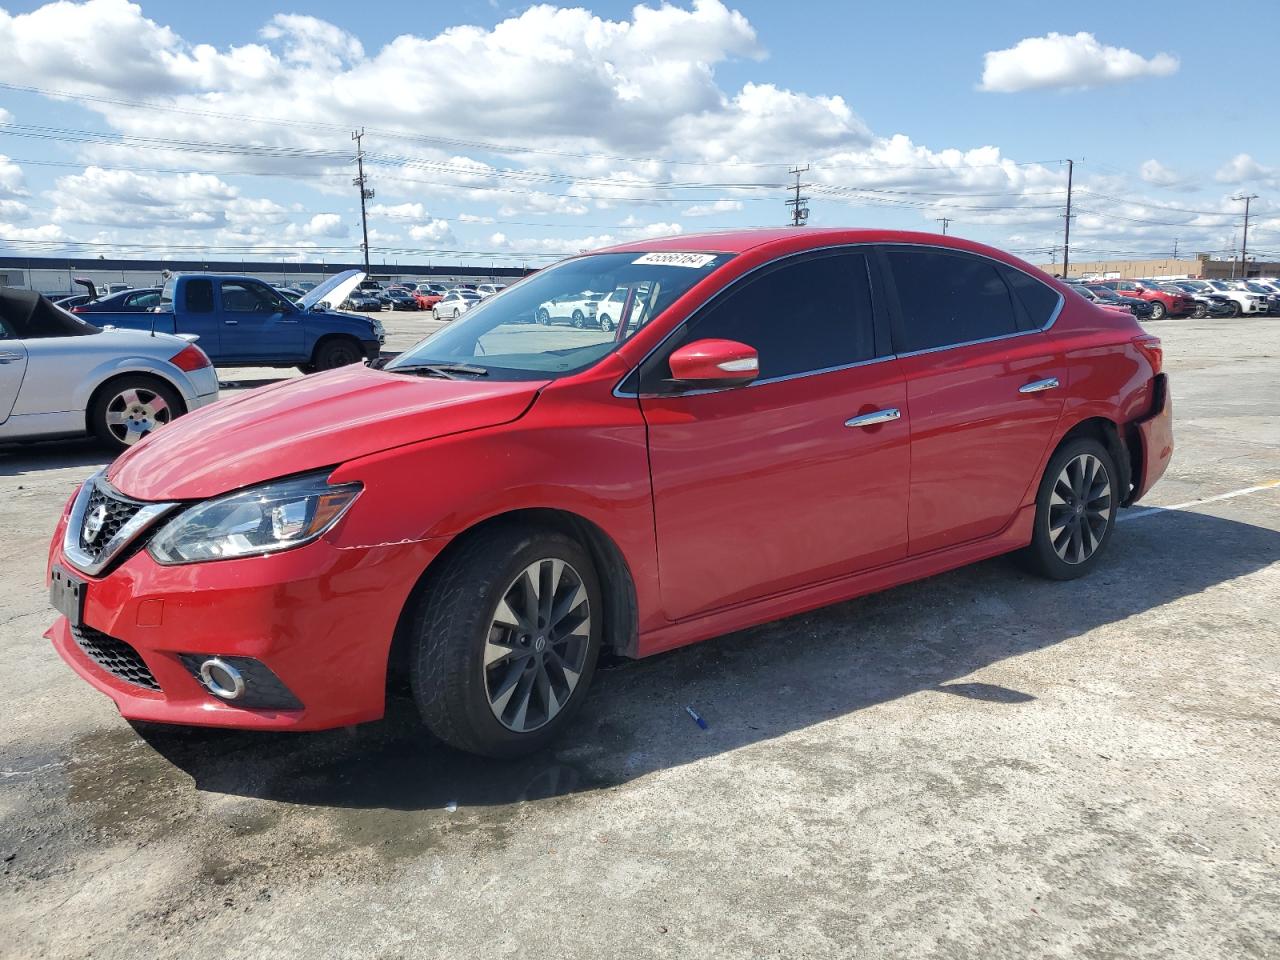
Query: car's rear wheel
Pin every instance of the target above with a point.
(336, 352)
(1199, 312)
(131, 407)
(1075, 510)
(1158, 310)
(456, 313)
(506, 635)
(578, 319)
(543, 317)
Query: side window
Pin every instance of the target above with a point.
(199, 296)
(949, 298)
(1038, 299)
(142, 301)
(241, 297)
(805, 314)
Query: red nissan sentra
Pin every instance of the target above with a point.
(774, 420)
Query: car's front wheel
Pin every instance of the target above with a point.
(336, 352)
(606, 323)
(130, 408)
(1236, 309)
(1199, 312)
(543, 317)
(506, 635)
(1075, 510)
(1158, 310)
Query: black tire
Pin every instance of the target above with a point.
(306, 368)
(336, 352)
(578, 319)
(451, 626)
(1236, 309)
(1199, 312)
(1158, 310)
(1042, 555)
(111, 405)
(543, 318)
(606, 323)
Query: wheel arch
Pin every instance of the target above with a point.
(1123, 449)
(145, 373)
(621, 634)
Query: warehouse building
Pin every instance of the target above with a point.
(53, 275)
(1201, 267)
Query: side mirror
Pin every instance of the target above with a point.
(714, 363)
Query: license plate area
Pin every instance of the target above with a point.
(67, 593)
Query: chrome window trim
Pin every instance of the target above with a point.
(1053, 318)
(148, 513)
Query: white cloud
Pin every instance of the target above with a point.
(1155, 172)
(1067, 61)
(1242, 167)
(312, 42)
(436, 231)
(398, 211)
(499, 241)
(712, 209)
(12, 182)
(5, 116)
(325, 225)
(48, 231)
(13, 210)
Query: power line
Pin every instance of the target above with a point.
(365, 193)
(945, 221)
(1244, 243)
(799, 214)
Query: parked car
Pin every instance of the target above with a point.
(70, 300)
(1244, 301)
(401, 299)
(306, 286)
(1105, 303)
(613, 309)
(363, 302)
(455, 304)
(1141, 309)
(426, 299)
(1163, 303)
(498, 505)
(126, 300)
(60, 376)
(1270, 291)
(489, 289)
(436, 288)
(1208, 302)
(242, 321)
(578, 309)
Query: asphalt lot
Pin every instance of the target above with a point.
(983, 764)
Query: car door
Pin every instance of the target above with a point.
(13, 366)
(257, 324)
(768, 487)
(985, 387)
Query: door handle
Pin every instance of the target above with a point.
(9, 357)
(231, 323)
(1036, 386)
(887, 415)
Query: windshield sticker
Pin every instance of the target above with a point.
(695, 261)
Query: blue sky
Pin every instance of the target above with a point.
(532, 133)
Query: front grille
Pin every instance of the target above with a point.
(114, 656)
(104, 515)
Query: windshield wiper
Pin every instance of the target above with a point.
(448, 371)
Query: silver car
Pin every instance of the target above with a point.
(61, 376)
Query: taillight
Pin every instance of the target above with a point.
(77, 310)
(190, 358)
(1150, 347)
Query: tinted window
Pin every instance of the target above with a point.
(199, 296)
(238, 297)
(1038, 300)
(949, 298)
(806, 314)
(142, 301)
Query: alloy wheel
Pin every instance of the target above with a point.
(537, 645)
(135, 412)
(1079, 508)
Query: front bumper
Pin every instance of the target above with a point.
(320, 618)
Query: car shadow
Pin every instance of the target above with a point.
(38, 457)
(752, 686)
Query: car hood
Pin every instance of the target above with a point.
(308, 423)
(334, 290)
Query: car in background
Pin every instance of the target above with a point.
(437, 288)
(462, 286)
(492, 510)
(1106, 299)
(1163, 303)
(1269, 290)
(1208, 303)
(110, 288)
(306, 286)
(69, 300)
(578, 309)
(455, 304)
(1244, 301)
(60, 376)
(489, 289)
(426, 299)
(146, 298)
(292, 294)
(612, 310)
(401, 299)
(362, 302)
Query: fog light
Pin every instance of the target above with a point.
(222, 679)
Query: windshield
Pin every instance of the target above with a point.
(564, 318)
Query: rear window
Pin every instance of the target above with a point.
(1038, 299)
(199, 296)
(949, 298)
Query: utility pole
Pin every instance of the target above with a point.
(799, 212)
(1066, 236)
(945, 221)
(364, 194)
(1053, 256)
(1244, 240)
(1175, 248)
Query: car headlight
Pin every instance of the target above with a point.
(264, 519)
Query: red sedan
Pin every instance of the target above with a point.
(425, 299)
(505, 500)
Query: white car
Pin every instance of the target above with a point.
(1246, 300)
(610, 310)
(455, 304)
(489, 289)
(62, 377)
(578, 308)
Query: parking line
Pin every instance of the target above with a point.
(1150, 511)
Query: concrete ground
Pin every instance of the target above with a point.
(983, 764)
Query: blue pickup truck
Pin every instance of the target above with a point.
(243, 322)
